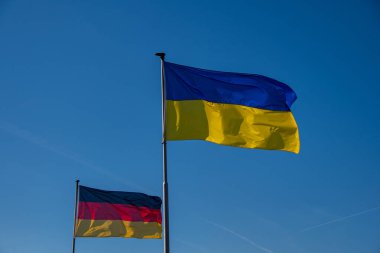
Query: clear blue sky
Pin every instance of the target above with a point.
(80, 97)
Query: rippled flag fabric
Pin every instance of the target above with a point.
(118, 214)
(243, 110)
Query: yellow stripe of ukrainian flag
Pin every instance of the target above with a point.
(230, 124)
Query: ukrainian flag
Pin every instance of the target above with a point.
(243, 110)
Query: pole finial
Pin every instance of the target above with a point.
(161, 55)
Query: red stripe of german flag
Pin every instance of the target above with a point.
(107, 211)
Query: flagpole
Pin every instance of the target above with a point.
(75, 212)
(164, 157)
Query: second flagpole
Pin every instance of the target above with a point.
(164, 157)
(75, 213)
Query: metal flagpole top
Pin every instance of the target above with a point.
(161, 55)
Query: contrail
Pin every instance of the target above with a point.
(28, 136)
(254, 244)
(340, 219)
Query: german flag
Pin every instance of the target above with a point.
(118, 214)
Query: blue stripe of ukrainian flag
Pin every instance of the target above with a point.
(243, 110)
